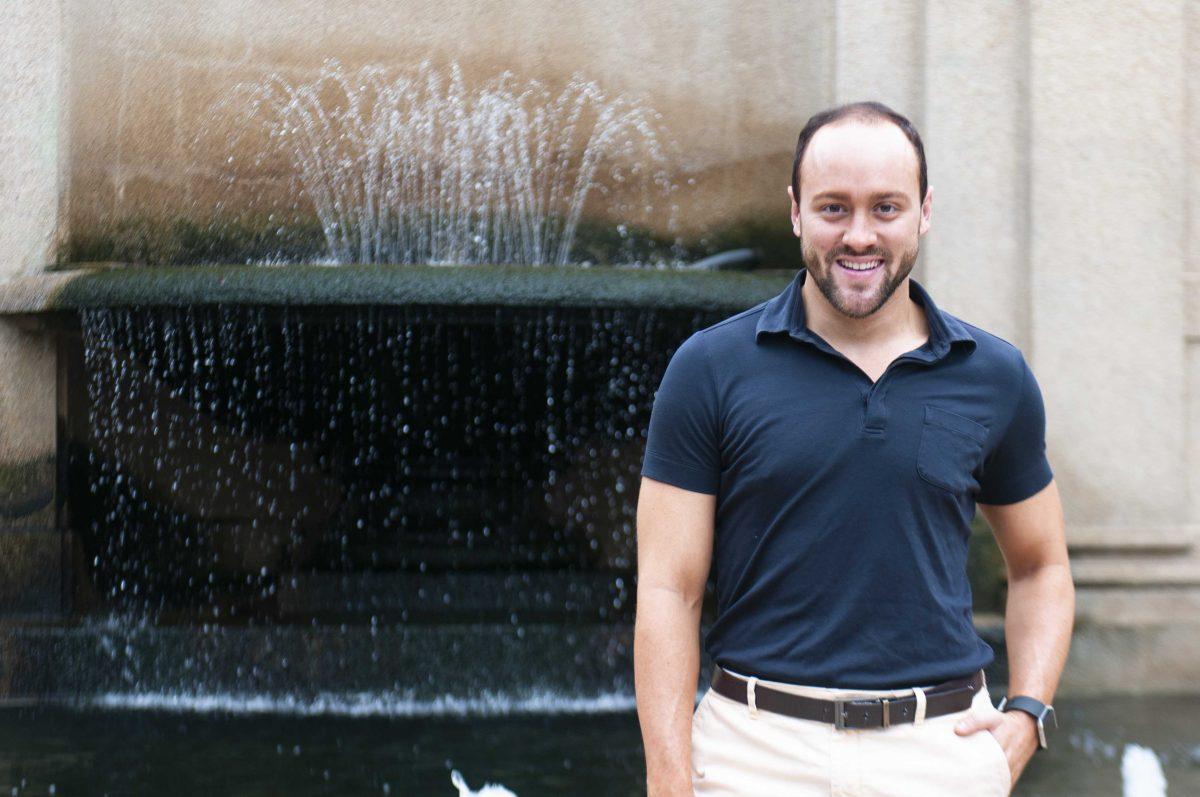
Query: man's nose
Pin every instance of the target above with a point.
(861, 233)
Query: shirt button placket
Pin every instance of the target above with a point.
(875, 411)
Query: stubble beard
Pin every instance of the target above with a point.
(853, 304)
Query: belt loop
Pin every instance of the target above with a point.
(750, 697)
(919, 717)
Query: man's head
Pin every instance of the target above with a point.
(860, 202)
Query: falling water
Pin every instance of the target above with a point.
(1142, 773)
(419, 167)
(293, 502)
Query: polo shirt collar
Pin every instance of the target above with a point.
(785, 313)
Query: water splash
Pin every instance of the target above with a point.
(366, 704)
(1142, 773)
(486, 790)
(420, 167)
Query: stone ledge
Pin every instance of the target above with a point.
(1135, 571)
(1132, 538)
(1132, 660)
(32, 294)
(1135, 606)
(390, 285)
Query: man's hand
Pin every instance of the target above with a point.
(1016, 732)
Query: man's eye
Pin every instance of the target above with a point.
(831, 208)
(888, 207)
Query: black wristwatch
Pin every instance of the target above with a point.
(1034, 708)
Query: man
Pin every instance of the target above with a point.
(825, 451)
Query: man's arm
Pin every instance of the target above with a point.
(1039, 614)
(674, 548)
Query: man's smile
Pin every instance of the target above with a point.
(858, 268)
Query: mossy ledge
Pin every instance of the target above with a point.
(390, 285)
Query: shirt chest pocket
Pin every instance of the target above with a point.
(951, 449)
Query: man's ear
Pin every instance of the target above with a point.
(795, 213)
(926, 212)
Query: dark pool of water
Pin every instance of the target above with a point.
(66, 752)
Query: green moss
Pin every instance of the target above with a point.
(773, 238)
(986, 570)
(605, 244)
(144, 241)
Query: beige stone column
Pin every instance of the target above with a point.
(1191, 289)
(976, 136)
(30, 57)
(30, 543)
(1109, 204)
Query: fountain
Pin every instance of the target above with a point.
(295, 489)
(416, 167)
(404, 489)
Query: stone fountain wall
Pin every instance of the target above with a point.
(1064, 156)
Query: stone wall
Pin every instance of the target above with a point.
(31, 195)
(732, 82)
(1063, 137)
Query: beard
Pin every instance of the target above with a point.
(852, 303)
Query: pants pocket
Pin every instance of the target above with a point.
(999, 762)
(698, 740)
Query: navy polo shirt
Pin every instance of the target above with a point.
(844, 506)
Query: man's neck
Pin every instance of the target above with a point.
(899, 321)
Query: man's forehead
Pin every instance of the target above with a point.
(860, 156)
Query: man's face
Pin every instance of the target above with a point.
(859, 214)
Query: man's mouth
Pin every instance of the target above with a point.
(860, 266)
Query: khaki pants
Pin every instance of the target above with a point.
(737, 751)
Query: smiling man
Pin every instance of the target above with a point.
(824, 454)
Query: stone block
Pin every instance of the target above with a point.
(27, 492)
(30, 575)
(1163, 658)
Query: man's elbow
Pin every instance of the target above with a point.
(1054, 569)
(676, 593)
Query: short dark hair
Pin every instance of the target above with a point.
(867, 112)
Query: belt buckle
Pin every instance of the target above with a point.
(839, 712)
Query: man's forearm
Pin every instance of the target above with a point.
(1038, 621)
(666, 664)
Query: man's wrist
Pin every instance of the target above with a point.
(1041, 716)
(669, 787)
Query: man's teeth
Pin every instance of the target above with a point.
(860, 266)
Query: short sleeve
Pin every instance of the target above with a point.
(682, 444)
(1017, 467)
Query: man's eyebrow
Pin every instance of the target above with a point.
(841, 196)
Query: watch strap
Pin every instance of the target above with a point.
(1034, 708)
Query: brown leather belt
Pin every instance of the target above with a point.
(943, 698)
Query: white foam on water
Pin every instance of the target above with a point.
(365, 704)
(486, 790)
(1142, 773)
